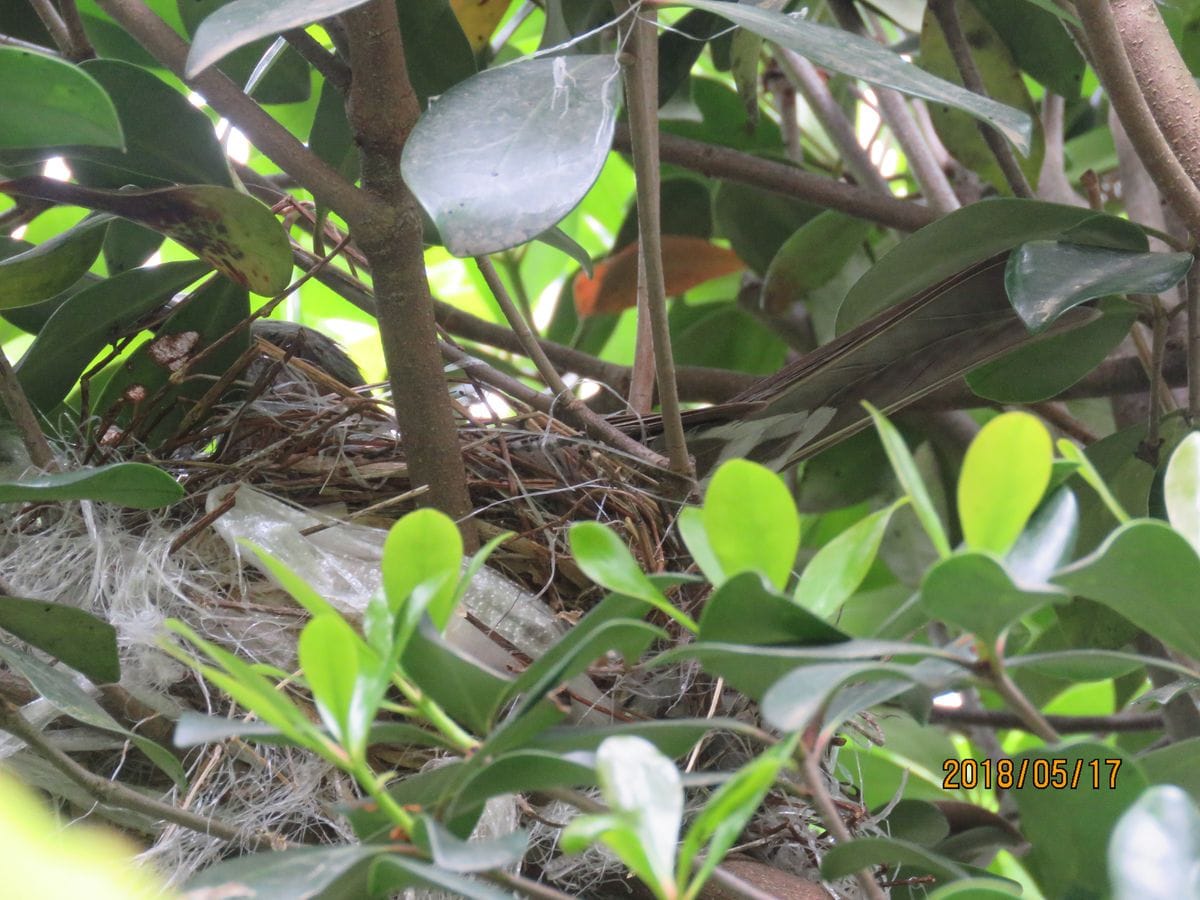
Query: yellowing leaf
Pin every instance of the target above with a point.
(479, 19)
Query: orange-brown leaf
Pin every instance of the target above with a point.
(687, 262)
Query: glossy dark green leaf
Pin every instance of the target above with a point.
(724, 335)
(128, 246)
(454, 855)
(61, 691)
(1046, 278)
(757, 222)
(1052, 363)
(53, 265)
(150, 111)
(330, 137)
(1069, 828)
(834, 49)
(89, 320)
(298, 872)
(680, 46)
(812, 256)
(723, 121)
(48, 102)
(744, 611)
(135, 485)
(1148, 573)
(516, 772)
(918, 822)
(1003, 82)
(1047, 542)
(974, 592)
(390, 874)
(506, 154)
(849, 473)
(1174, 764)
(233, 231)
(752, 669)
(1154, 853)
(866, 852)
(437, 53)
(1004, 474)
(1039, 43)
(969, 235)
(79, 639)
(239, 23)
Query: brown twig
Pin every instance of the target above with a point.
(1002, 719)
(81, 45)
(335, 70)
(24, 417)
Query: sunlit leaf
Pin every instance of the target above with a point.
(1181, 489)
(751, 522)
(48, 102)
(53, 265)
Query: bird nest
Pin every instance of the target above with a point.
(334, 455)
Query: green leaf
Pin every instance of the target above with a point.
(606, 560)
(468, 691)
(977, 889)
(390, 874)
(1040, 45)
(794, 702)
(244, 21)
(832, 48)
(167, 138)
(726, 813)
(835, 573)
(866, 852)
(454, 855)
(61, 691)
(643, 789)
(300, 590)
(193, 730)
(506, 154)
(82, 326)
(1181, 489)
(135, 485)
(1174, 764)
(1154, 852)
(1048, 365)
(1069, 828)
(296, 872)
(1002, 82)
(1150, 574)
(673, 737)
(423, 550)
(1004, 474)
(340, 673)
(969, 235)
(437, 54)
(79, 639)
(52, 266)
(1047, 541)
(1046, 278)
(974, 592)
(744, 611)
(695, 537)
(48, 102)
(910, 479)
(751, 522)
(232, 231)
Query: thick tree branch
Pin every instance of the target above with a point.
(382, 109)
(325, 183)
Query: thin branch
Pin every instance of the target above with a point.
(573, 409)
(54, 24)
(1106, 52)
(113, 793)
(733, 165)
(998, 678)
(81, 45)
(894, 110)
(946, 14)
(641, 94)
(814, 780)
(336, 71)
(803, 75)
(24, 417)
(226, 98)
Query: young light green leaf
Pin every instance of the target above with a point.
(691, 528)
(1088, 473)
(834, 574)
(859, 57)
(476, 563)
(135, 485)
(606, 560)
(504, 155)
(1181, 489)
(423, 548)
(48, 102)
(332, 657)
(751, 522)
(1004, 475)
(910, 479)
(644, 791)
(301, 591)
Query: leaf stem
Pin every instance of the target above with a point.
(433, 713)
(999, 679)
